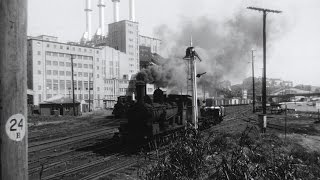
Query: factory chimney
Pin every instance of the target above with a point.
(88, 11)
(101, 30)
(116, 10)
(132, 11)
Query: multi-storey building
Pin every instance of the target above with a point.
(105, 70)
(124, 36)
(153, 43)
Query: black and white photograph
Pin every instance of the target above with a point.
(159, 89)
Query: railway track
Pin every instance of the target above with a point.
(36, 138)
(44, 167)
(45, 145)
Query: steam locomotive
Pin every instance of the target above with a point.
(150, 120)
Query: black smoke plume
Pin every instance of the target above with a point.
(224, 47)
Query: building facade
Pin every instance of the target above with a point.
(153, 43)
(100, 74)
(124, 36)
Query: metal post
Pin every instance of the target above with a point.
(194, 93)
(253, 88)
(13, 93)
(72, 79)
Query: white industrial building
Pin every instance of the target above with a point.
(104, 61)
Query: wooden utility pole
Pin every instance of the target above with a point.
(72, 80)
(264, 80)
(13, 90)
(253, 88)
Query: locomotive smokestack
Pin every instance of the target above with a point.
(141, 91)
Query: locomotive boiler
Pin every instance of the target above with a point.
(149, 120)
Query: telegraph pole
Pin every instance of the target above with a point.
(72, 79)
(253, 88)
(13, 90)
(89, 92)
(264, 81)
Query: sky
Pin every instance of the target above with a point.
(292, 50)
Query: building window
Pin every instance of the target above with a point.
(68, 64)
(79, 49)
(39, 96)
(39, 88)
(48, 45)
(61, 55)
(74, 64)
(80, 87)
(68, 73)
(55, 63)
(68, 84)
(55, 85)
(55, 72)
(61, 47)
(48, 72)
(61, 73)
(73, 48)
(97, 52)
(86, 96)
(98, 88)
(39, 62)
(90, 66)
(97, 75)
(39, 52)
(61, 63)
(62, 84)
(97, 59)
(85, 65)
(79, 65)
(49, 84)
(85, 50)
(85, 74)
(85, 85)
(97, 67)
(80, 74)
(54, 46)
(79, 57)
(49, 96)
(48, 62)
(39, 72)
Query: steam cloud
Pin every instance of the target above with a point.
(223, 46)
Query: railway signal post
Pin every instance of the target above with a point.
(264, 81)
(13, 93)
(191, 56)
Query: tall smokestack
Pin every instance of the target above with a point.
(132, 11)
(101, 6)
(88, 11)
(116, 10)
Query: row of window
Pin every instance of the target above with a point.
(68, 48)
(77, 96)
(67, 73)
(68, 64)
(54, 84)
(55, 54)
